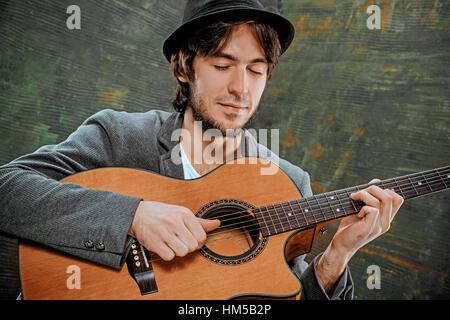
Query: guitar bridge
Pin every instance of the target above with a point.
(140, 268)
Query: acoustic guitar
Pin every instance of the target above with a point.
(264, 224)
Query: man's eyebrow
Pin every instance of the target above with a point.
(234, 58)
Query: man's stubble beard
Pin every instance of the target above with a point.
(200, 113)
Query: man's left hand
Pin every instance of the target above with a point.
(355, 231)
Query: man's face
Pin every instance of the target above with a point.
(228, 85)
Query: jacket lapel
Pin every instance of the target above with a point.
(169, 138)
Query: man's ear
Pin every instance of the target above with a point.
(183, 78)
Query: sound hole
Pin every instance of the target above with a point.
(238, 237)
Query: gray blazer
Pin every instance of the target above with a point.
(93, 224)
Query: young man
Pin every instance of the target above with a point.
(222, 57)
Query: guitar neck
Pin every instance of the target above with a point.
(299, 213)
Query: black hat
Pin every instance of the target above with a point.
(199, 12)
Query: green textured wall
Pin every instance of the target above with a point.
(351, 104)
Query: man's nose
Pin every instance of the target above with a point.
(239, 81)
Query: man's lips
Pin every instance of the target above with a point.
(233, 106)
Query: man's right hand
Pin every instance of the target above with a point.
(169, 230)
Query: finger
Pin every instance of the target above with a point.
(369, 216)
(186, 237)
(162, 250)
(397, 203)
(177, 246)
(385, 198)
(154, 242)
(374, 181)
(193, 225)
(365, 210)
(398, 199)
(366, 197)
(209, 225)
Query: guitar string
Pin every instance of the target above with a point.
(241, 236)
(319, 215)
(433, 181)
(313, 208)
(235, 238)
(323, 196)
(247, 237)
(245, 224)
(305, 222)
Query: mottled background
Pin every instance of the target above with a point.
(351, 104)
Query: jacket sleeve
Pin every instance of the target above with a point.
(37, 207)
(311, 288)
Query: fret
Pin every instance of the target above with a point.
(273, 223)
(448, 176)
(426, 180)
(420, 185)
(320, 208)
(340, 203)
(437, 182)
(391, 185)
(385, 185)
(388, 184)
(332, 198)
(414, 187)
(399, 188)
(293, 212)
(303, 213)
(270, 216)
(287, 217)
(310, 210)
(264, 220)
(439, 175)
(350, 199)
(276, 213)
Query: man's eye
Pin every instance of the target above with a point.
(256, 72)
(221, 68)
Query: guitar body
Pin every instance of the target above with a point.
(229, 268)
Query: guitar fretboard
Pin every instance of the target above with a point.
(298, 213)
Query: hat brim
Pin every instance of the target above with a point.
(283, 27)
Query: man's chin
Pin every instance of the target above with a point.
(229, 130)
(229, 125)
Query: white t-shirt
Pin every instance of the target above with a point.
(188, 169)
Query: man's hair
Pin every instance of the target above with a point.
(211, 39)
